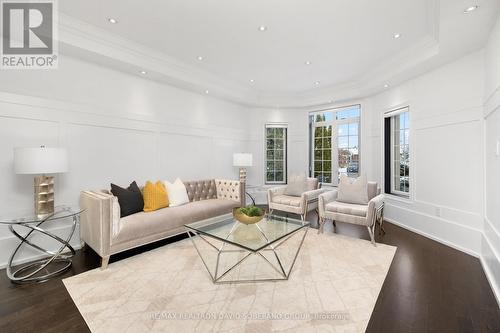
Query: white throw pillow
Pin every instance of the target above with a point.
(177, 193)
(353, 190)
(296, 186)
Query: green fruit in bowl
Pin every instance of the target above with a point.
(252, 211)
(249, 214)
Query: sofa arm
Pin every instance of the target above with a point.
(100, 221)
(313, 195)
(229, 189)
(374, 205)
(324, 199)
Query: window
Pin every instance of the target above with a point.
(334, 143)
(276, 136)
(397, 152)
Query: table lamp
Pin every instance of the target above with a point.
(41, 161)
(242, 160)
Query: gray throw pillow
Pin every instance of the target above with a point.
(353, 190)
(296, 186)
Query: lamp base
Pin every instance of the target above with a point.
(44, 195)
(243, 180)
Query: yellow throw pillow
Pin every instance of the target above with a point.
(155, 196)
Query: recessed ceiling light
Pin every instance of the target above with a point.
(112, 20)
(206, 91)
(317, 83)
(200, 58)
(307, 62)
(252, 80)
(144, 72)
(396, 35)
(470, 9)
(262, 28)
(386, 86)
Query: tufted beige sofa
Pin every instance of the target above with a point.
(105, 232)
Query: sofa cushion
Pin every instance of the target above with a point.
(347, 208)
(155, 196)
(296, 186)
(177, 193)
(130, 199)
(353, 190)
(288, 200)
(145, 224)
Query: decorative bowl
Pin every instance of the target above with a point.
(243, 218)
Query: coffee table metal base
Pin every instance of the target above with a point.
(218, 276)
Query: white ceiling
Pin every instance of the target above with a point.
(348, 42)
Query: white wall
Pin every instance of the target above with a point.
(490, 250)
(117, 128)
(449, 181)
(445, 152)
(446, 110)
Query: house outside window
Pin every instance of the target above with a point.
(334, 144)
(397, 152)
(276, 154)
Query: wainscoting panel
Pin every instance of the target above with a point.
(104, 148)
(458, 236)
(100, 155)
(490, 256)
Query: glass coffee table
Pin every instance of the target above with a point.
(235, 252)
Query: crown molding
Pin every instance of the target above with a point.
(90, 43)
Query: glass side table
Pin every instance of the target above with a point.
(42, 269)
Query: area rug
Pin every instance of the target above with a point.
(333, 287)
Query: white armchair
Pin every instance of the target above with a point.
(367, 215)
(300, 205)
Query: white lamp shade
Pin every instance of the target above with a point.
(40, 160)
(242, 159)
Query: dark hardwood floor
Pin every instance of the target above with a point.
(429, 288)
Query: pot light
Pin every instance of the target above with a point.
(144, 72)
(206, 92)
(200, 58)
(252, 80)
(396, 35)
(262, 28)
(470, 9)
(112, 20)
(317, 83)
(307, 62)
(386, 86)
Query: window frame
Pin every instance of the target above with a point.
(334, 144)
(285, 153)
(392, 172)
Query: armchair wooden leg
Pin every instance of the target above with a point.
(381, 222)
(334, 226)
(104, 262)
(321, 224)
(372, 236)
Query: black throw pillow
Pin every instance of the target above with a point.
(130, 199)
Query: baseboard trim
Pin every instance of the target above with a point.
(491, 281)
(435, 238)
